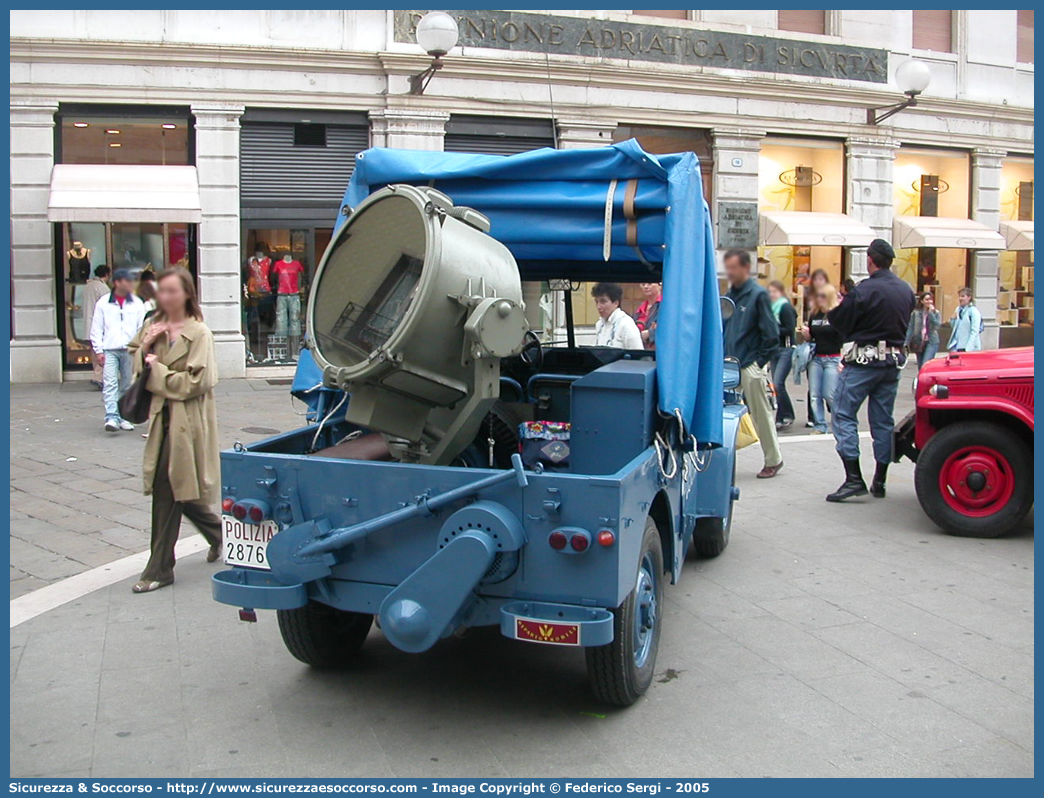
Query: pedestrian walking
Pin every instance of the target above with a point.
(782, 362)
(824, 365)
(180, 469)
(966, 324)
(117, 318)
(922, 336)
(614, 327)
(872, 321)
(96, 288)
(752, 337)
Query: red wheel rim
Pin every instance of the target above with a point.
(976, 481)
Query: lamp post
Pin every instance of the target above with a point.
(912, 77)
(437, 34)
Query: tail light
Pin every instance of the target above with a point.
(253, 511)
(570, 540)
(227, 504)
(606, 537)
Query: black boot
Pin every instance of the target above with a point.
(877, 487)
(853, 484)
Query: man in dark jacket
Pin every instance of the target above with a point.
(752, 337)
(872, 320)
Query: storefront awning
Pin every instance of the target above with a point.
(1019, 235)
(124, 193)
(940, 232)
(797, 229)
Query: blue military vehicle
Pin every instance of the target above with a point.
(460, 472)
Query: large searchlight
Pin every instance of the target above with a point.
(412, 309)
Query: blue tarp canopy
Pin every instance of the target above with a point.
(610, 213)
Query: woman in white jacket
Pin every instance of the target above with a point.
(614, 327)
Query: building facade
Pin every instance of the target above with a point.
(246, 124)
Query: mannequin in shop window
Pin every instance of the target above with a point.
(287, 274)
(257, 291)
(79, 263)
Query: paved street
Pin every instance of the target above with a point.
(853, 640)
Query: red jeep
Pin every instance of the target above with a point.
(971, 436)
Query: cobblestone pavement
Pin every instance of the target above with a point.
(76, 499)
(852, 640)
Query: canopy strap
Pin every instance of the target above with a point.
(632, 222)
(607, 236)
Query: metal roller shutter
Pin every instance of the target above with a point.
(273, 169)
(497, 135)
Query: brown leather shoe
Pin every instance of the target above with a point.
(214, 552)
(770, 471)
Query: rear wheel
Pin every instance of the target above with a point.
(975, 479)
(711, 535)
(622, 671)
(322, 636)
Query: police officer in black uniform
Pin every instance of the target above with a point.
(872, 320)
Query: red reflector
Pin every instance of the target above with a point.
(250, 616)
(579, 542)
(257, 515)
(226, 505)
(239, 511)
(557, 540)
(606, 537)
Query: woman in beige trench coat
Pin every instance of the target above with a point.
(181, 467)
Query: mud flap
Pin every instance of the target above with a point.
(417, 613)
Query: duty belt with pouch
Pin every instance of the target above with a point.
(863, 354)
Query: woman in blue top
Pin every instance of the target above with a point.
(966, 325)
(922, 335)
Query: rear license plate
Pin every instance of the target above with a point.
(555, 634)
(246, 544)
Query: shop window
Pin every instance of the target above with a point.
(802, 21)
(929, 182)
(278, 267)
(933, 30)
(145, 247)
(663, 14)
(307, 135)
(1024, 47)
(113, 139)
(1015, 266)
(798, 174)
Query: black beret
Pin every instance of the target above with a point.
(882, 248)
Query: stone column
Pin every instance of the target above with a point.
(36, 352)
(408, 129)
(575, 134)
(220, 282)
(985, 209)
(869, 163)
(736, 152)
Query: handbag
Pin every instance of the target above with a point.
(746, 435)
(136, 400)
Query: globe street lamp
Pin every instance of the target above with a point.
(437, 34)
(912, 77)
